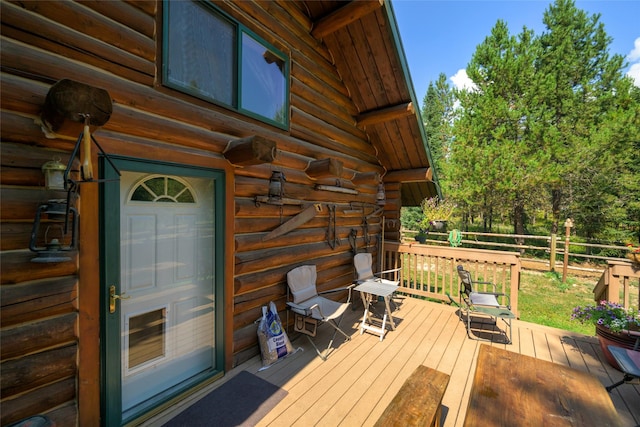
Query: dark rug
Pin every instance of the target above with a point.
(242, 401)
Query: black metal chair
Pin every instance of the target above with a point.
(628, 361)
(483, 303)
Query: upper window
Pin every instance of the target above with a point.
(208, 55)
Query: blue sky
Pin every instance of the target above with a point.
(440, 36)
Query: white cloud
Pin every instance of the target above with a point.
(634, 73)
(634, 63)
(634, 55)
(461, 80)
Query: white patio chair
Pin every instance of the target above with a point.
(309, 304)
(363, 263)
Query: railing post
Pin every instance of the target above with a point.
(552, 256)
(567, 226)
(613, 293)
(514, 288)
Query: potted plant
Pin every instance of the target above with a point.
(613, 324)
(421, 237)
(436, 212)
(633, 254)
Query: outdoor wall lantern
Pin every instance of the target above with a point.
(54, 175)
(276, 186)
(57, 213)
(60, 214)
(381, 197)
(69, 105)
(56, 216)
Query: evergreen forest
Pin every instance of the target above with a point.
(549, 130)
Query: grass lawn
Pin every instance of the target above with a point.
(545, 300)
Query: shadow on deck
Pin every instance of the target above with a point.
(360, 378)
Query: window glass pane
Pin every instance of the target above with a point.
(146, 337)
(263, 81)
(156, 185)
(141, 194)
(200, 52)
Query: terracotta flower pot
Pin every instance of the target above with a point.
(634, 257)
(606, 338)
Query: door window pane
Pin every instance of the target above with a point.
(146, 337)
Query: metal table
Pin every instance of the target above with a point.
(376, 288)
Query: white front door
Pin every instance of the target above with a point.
(167, 318)
(165, 308)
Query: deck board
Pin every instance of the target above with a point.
(361, 377)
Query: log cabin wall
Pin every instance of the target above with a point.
(50, 312)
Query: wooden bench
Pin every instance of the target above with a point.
(418, 402)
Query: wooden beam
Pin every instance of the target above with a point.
(253, 150)
(68, 100)
(324, 168)
(366, 178)
(385, 114)
(409, 175)
(344, 16)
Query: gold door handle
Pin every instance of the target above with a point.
(113, 297)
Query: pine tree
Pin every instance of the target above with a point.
(576, 89)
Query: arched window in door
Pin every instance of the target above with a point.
(162, 189)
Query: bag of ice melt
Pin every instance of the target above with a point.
(274, 342)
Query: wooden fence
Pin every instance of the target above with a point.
(549, 246)
(620, 278)
(615, 284)
(431, 271)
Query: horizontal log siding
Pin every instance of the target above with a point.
(114, 47)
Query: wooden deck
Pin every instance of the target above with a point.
(357, 382)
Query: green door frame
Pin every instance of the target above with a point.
(110, 354)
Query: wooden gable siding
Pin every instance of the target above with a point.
(383, 89)
(114, 46)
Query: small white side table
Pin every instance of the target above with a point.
(376, 288)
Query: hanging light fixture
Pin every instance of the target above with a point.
(381, 197)
(56, 212)
(276, 186)
(53, 172)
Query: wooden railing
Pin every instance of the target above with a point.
(615, 284)
(431, 271)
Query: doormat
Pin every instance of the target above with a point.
(242, 401)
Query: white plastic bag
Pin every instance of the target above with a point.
(274, 342)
